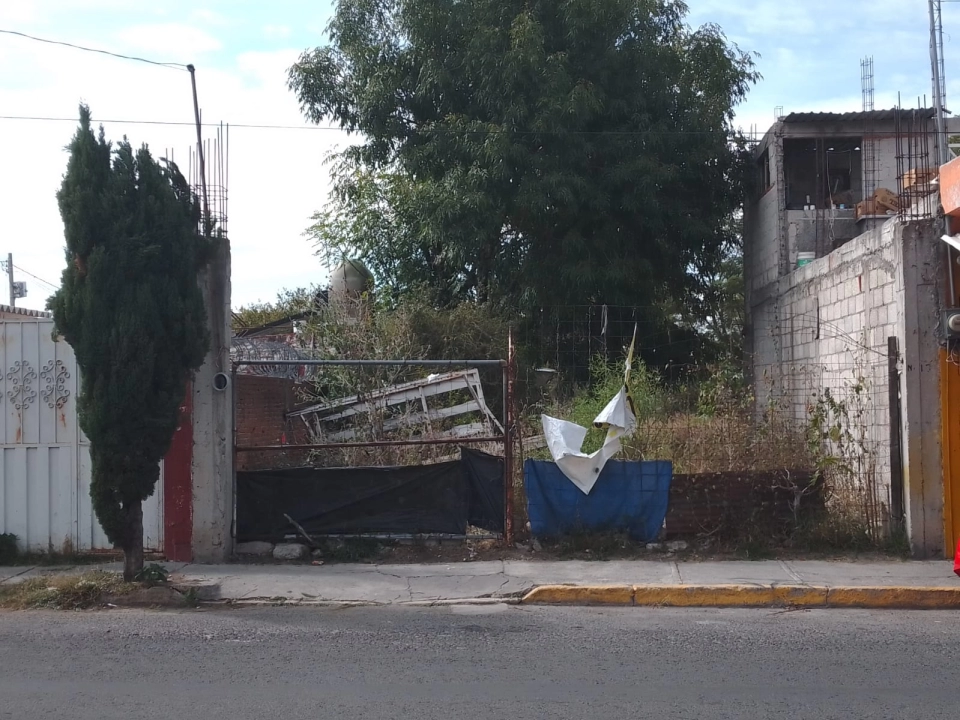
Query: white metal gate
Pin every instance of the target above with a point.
(44, 456)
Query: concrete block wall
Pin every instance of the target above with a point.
(826, 326)
(886, 167)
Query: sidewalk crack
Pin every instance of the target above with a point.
(790, 571)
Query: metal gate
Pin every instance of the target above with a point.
(44, 455)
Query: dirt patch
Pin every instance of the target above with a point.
(64, 592)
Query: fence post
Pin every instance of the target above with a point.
(896, 450)
(508, 420)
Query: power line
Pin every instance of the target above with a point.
(172, 66)
(451, 131)
(27, 272)
(175, 123)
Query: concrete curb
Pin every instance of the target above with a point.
(317, 602)
(807, 596)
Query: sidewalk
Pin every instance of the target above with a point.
(806, 583)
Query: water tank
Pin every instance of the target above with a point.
(348, 282)
(351, 277)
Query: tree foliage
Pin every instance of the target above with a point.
(530, 152)
(130, 307)
(289, 303)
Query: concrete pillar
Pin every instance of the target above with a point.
(922, 458)
(178, 487)
(212, 466)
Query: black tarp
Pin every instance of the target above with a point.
(484, 475)
(442, 498)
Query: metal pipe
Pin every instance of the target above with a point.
(373, 443)
(203, 169)
(508, 442)
(233, 410)
(896, 449)
(370, 363)
(937, 97)
(936, 40)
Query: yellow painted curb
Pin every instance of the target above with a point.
(729, 595)
(904, 598)
(580, 595)
(894, 597)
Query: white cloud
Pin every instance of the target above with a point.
(13, 14)
(276, 176)
(210, 17)
(276, 32)
(169, 41)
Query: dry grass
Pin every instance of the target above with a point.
(731, 438)
(719, 443)
(63, 592)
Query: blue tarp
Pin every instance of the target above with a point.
(628, 496)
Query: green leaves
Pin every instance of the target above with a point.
(130, 307)
(529, 153)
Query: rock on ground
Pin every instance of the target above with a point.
(290, 551)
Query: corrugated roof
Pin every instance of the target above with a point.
(25, 312)
(861, 116)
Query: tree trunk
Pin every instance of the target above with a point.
(133, 541)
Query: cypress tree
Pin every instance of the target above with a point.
(131, 308)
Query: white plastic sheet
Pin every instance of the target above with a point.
(565, 439)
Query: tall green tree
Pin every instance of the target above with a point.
(530, 152)
(130, 307)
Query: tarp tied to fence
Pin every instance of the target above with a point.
(627, 497)
(443, 498)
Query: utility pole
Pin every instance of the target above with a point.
(939, 93)
(13, 296)
(203, 169)
(939, 82)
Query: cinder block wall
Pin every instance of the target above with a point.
(825, 327)
(261, 407)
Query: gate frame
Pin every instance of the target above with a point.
(506, 438)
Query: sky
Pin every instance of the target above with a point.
(808, 53)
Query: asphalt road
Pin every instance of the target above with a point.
(490, 663)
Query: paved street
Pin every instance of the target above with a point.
(478, 662)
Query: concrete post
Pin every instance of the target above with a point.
(212, 466)
(922, 459)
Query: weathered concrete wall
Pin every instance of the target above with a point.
(836, 316)
(762, 227)
(213, 423)
(826, 326)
